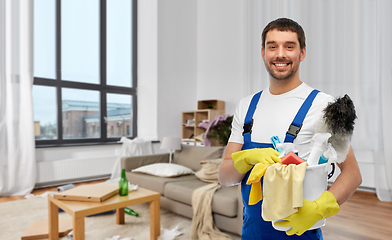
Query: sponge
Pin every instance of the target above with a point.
(292, 158)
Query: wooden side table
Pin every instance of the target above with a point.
(79, 210)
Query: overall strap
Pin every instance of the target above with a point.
(296, 125)
(248, 122)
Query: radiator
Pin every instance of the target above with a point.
(73, 169)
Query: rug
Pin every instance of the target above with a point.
(17, 216)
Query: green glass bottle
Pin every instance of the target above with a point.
(130, 212)
(123, 184)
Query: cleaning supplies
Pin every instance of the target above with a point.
(282, 190)
(310, 213)
(317, 149)
(328, 156)
(314, 184)
(292, 158)
(338, 119)
(275, 141)
(286, 148)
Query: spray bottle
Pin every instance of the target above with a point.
(328, 156)
(286, 148)
(319, 139)
(275, 141)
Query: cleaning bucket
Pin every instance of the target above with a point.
(315, 183)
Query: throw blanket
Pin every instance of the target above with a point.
(203, 226)
(135, 147)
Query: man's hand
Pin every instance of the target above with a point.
(310, 213)
(244, 160)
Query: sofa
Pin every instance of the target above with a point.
(176, 191)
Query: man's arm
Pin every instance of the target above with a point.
(348, 180)
(227, 174)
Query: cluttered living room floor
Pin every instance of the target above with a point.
(363, 216)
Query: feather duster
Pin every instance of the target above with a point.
(338, 119)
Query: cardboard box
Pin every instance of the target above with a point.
(88, 193)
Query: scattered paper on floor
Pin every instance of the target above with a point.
(167, 234)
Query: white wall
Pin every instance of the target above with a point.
(177, 63)
(148, 69)
(200, 56)
(221, 51)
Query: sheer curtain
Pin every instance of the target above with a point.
(17, 150)
(383, 171)
(348, 51)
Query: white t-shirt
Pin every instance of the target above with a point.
(274, 114)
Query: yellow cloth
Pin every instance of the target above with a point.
(257, 173)
(283, 190)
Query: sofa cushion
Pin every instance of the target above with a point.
(190, 156)
(134, 162)
(154, 183)
(164, 170)
(224, 201)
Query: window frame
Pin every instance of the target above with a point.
(102, 87)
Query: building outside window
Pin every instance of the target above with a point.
(84, 71)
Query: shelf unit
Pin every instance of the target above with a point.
(211, 104)
(190, 122)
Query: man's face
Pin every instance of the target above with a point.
(282, 54)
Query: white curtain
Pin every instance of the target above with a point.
(348, 51)
(383, 170)
(17, 146)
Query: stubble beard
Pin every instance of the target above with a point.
(291, 73)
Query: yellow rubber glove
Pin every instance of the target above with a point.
(244, 160)
(255, 176)
(310, 213)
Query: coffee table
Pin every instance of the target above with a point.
(78, 210)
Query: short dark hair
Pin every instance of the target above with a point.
(284, 24)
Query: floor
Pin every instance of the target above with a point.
(40, 191)
(363, 216)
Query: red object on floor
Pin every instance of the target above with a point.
(291, 158)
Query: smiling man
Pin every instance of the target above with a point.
(282, 54)
(270, 113)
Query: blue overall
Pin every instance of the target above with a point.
(254, 227)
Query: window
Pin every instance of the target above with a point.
(84, 71)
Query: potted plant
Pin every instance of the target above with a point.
(221, 131)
